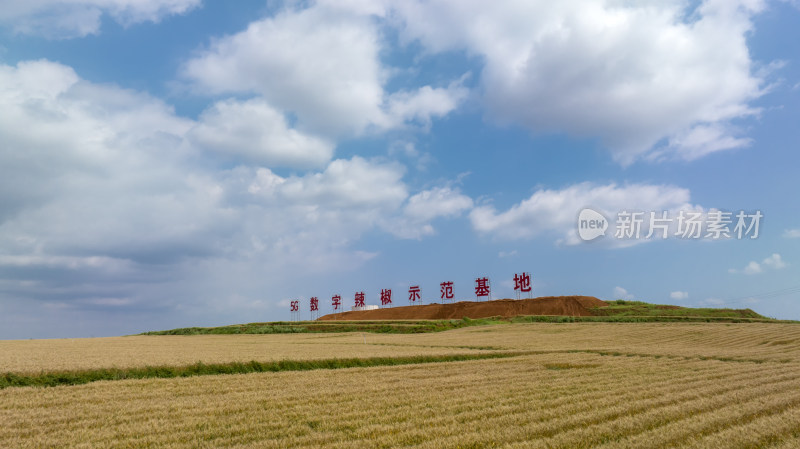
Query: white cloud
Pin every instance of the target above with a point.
(96, 191)
(77, 18)
(621, 293)
(423, 104)
(792, 233)
(67, 262)
(652, 81)
(556, 211)
(107, 198)
(330, 76)
(112, 196)
(426, 206)
(255, 132)
(437, 202)
(64, 136)
(752, 268)
(701, 140)
(631, 74)
(774, 262)
(350, 183)
(679, 295)
(311, 220)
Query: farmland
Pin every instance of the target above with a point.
(138, 351)
(612, 385)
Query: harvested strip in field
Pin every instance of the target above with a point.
(53, 379)
(35, 356)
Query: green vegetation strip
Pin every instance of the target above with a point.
(54, 379)
(302, 327)
(427, 326)
(642, 319)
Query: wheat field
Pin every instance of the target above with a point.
(579, 385)
(31, 356)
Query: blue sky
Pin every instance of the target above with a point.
(169, 163)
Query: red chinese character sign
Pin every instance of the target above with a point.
(386, 297)
(413, 294)
(447, 290)
(483, 288)
(522, 284)
(359, 299)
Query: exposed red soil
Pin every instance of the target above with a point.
(548, 305)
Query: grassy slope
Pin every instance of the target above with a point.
(619, 311)
(283, 327)
(620, 308)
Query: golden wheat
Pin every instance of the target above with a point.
(34, 356)
(622, 386)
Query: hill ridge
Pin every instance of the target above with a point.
(573, 305)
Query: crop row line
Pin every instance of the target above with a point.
(60, 378)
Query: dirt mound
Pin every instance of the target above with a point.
(548, 305)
